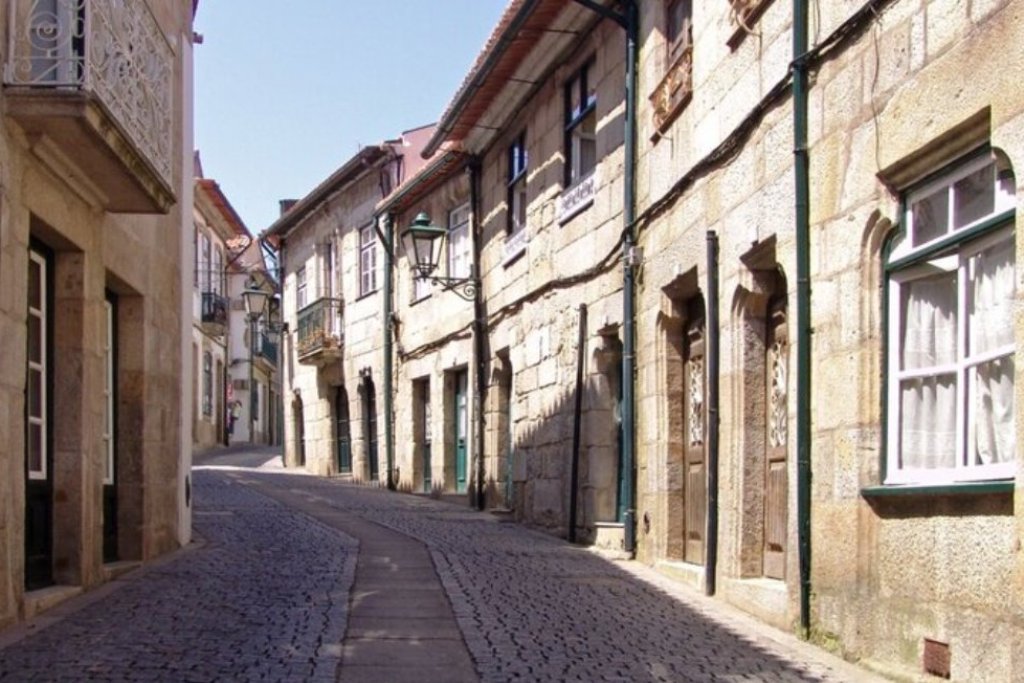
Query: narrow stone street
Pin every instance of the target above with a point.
(301, 578)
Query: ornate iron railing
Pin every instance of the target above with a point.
(266, 348)
(111, 48)
(214, 309)
(320, 327)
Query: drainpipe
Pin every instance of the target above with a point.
(803, 309)
(714, 340)
(479, 356)
(629, 21)
(389, 330)
(577, 416)
(629, 285)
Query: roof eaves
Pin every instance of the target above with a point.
(516, 14)
(348, 172)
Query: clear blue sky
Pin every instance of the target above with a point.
(286, 92)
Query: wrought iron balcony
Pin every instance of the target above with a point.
(90, 82)
(674, 90)
(320, 332)
(214, 314)
(265, 349)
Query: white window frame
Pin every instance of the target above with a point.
(420, 286)
(301, 290)
(108, 393)
(949, 252)
(577, 117)
(367, 260)
(207, 279)
(42, 368)
(518, 163)
(460, 257)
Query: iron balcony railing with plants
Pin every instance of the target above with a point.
(320, 329)
(112, 50)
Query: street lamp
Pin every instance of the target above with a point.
(255, 300)
(424, 244)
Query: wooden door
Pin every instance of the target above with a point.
(776, 442)
(38, 454)
(694, 462)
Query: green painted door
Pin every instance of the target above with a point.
(461, 430)
(343, 432)
(425, 440)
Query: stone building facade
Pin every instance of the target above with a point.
(784, 276)
(96, 229)
(332, 275)
(216, 225)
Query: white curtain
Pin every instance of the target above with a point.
(928, 404)
(990, 418)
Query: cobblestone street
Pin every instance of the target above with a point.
(268, 591)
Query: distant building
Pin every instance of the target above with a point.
(96, 228)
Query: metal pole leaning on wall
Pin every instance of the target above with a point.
(389, 331)
(714, 345)
(577, 415)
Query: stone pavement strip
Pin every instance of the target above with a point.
(303, 578)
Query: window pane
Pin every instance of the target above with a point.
(929, 321)
(588, 156)
(35, 393)
(930, 217)
(35, 448)
(928, 422)
(35, 282)
(990, 299)
(35, 339)
(990, 413)
(974, 197)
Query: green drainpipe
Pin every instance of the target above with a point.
(803, 310)
(389, 328)
(629, 288)
(628, 20)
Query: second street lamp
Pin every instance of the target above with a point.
(255, 300)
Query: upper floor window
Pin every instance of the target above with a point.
(678, 28)
(218, 271)
(459, 252)
(517, 161)
(950, 339)
(676, 86)
(301, 295)
(327, 266)
(206, 280)
(367, 260)
(580, 126)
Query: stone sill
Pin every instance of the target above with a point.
(46, 599)
(924, 490)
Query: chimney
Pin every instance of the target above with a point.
(286, 204)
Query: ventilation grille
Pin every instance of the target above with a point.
(936, 658)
